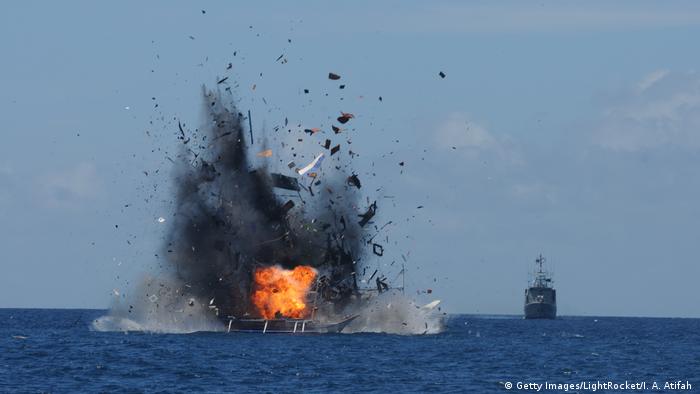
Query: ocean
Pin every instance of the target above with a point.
(58, 351)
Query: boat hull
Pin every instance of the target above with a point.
(287, 326)
(540, 310)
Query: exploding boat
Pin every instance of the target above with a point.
(286, 301)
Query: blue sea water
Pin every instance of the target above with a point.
(57, 351)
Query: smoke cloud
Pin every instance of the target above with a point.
(228, 219)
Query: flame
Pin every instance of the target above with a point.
(279, 290)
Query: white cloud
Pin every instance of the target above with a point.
(650, 79)
(458, 131)
(472, 140)
(661, 110)
(70, 187)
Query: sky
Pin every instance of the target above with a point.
(570, 129)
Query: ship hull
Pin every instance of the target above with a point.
(540, 310)
(287, 326)
(540, 303)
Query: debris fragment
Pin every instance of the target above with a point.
(344, 117)
(367, 216)
(250, 124)
(161, 220)
(314, 165)
(336, 129)
(382, 286)
(285, 182)
(222, 80)
(372, 276)
(335, 149)
(291, 164)
(287, 206)
(378, 249)
(431, 305)
(333, 76)
(312, 131)
(442, 74)
(354, 180)
(341, 87)
(265, 153)
(327, 144)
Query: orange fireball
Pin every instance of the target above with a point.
(278, 291)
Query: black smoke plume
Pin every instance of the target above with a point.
(229, 219)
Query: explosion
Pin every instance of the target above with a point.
(229, 221)
(280, 292)
(232, 215)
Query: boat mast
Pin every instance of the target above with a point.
(540, 276)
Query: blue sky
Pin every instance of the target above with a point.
(570, 129)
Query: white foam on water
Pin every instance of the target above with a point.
(159, 306)
(394, 313)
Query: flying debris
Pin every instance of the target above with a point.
(378, 249)
(312, 131)
(250, 124)
(287, 206)
(431, 305)
(285, 182)
(354, 180)
(333, 76)
(367, 216)
(442, 74)
(345, 117)
(382, 286)
(313, 166)
(265, 153)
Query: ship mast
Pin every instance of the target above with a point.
(541, 279)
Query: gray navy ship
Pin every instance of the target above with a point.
(541, 297)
